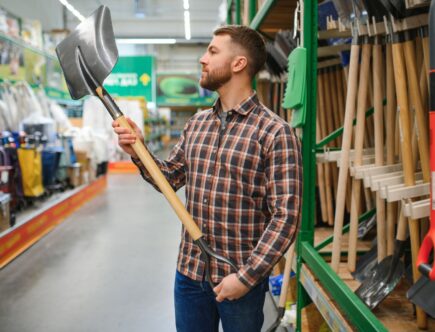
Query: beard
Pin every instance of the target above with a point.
(213, 80)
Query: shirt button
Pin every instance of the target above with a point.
(205, 200)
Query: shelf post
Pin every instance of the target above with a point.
(252, 9)
(230, 11)
(306, 234)
(238, 13)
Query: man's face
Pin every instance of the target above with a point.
(216, 63)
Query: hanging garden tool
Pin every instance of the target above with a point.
(345, 149)
(87, 56)
(421, 293)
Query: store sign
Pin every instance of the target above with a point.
(132, 76)
(182, 90)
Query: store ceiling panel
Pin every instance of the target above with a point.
(131, 18)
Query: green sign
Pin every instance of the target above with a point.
(182, 90)
(132, 76)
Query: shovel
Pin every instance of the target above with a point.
(87, 56)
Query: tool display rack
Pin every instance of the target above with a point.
(339, 306)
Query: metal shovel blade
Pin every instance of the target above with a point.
(90, 47)
(366, 264)
(422, 295)
(382, 281)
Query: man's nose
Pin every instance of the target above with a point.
(202, 60)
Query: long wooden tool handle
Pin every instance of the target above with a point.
(286, 277)
(420, 114)
(344, 160)
(163, 184)
(390, 143)
(405, 127)
(423, 147)
(151, 166)
(359, 144)
(326, 165)
(379, 145)
(404, 117)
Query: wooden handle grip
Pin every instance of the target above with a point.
(163, 184)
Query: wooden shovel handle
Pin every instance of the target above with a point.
(286, 275)
(405, 121)
(420, 114)
(163, 184)
(359, 144)
(344, 160)
(151, 166)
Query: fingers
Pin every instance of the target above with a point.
(222, 293)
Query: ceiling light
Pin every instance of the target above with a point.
(71, 8)
(186, 4)
(146, 40)
(187, 24)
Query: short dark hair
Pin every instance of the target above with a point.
(251, 41)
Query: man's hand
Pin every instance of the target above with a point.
(126, 137)
(230, 288)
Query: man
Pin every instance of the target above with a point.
(241, 165)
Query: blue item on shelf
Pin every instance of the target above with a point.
(275, 283)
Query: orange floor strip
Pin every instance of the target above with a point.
(122, 167)
(22, 237)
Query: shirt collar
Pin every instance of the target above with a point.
(243, 108)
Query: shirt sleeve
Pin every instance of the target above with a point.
(172, 168)
(283, 168)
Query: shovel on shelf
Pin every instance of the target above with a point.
(87, 56)
(387, 274)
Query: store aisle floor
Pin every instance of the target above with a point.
(108, 267)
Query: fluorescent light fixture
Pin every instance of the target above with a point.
(186, 4)
(71, 8)
(187, 25)
(146, 40)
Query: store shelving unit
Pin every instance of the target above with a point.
(33, 224)
(23, 44)
(316, 281)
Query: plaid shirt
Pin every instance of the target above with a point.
(243, 188)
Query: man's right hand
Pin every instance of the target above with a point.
(126, 137)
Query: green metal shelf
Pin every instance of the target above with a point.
(308, 257)
(22, 43)
(262, 14)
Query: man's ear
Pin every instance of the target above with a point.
(239, 63)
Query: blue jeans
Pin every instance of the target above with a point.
(196, 309)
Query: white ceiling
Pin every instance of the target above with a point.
(162, 18)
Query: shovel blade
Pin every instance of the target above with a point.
(384, 278)
(92, 42)
(366, 264)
